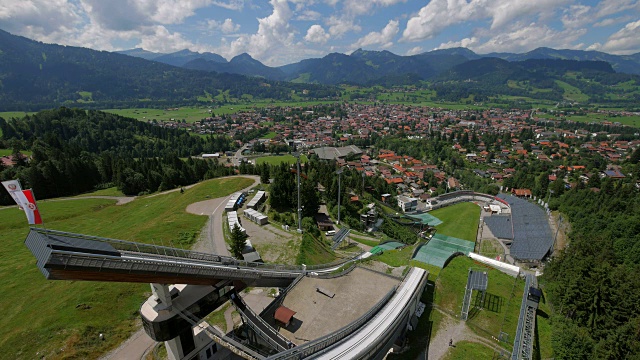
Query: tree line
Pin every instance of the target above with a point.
(75, 151)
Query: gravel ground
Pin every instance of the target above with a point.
(452, 329)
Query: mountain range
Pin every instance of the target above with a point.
(34, 75)
(364, 67)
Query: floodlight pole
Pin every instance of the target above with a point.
(339, 172)
(297, 155)
(363, 175)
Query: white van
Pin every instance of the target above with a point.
(330, 233)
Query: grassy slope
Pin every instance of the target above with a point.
(502, 301)
(396, 257)
(459, 220)
(42, 318)
(112, 191)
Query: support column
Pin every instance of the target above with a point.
(163, 296)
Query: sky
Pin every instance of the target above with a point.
(279, 32)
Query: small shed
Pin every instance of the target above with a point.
(284, 315)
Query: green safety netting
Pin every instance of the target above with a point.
(390, 245)
(427, 218)
(440, 248)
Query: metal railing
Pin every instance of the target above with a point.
(62, 259)
(518, 340)
(167, 254)
(266, 331)
(280, 299)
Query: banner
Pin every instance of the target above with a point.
(30, 208)
(14, 188)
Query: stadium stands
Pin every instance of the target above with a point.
(500, 226)
(532, 237)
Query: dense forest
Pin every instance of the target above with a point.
(75, 151)
(594, 285)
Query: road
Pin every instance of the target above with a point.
(212, 237)
(140, 343)
(238, 156)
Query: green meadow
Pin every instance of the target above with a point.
(279, 159)
(459, 220)
(62, 319)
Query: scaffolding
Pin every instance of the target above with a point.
(477, 280)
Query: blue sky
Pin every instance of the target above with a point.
(279, 32)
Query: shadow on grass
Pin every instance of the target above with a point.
(490, 302)
(418, 339)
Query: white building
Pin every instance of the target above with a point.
(407, 204)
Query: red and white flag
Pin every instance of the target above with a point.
(14, 188)
(30, 207)
(25, 200)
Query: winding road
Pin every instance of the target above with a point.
(211, 241)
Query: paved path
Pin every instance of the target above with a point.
(211, 236)
(134, 348)
(452, 329)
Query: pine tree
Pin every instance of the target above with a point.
(238, 241)
(264, 173)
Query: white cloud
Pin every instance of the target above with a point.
(301, 4)
(132, 14)
(309, 15)
(274, 35)
(440, 14)
(624, 41)
(159, 39)
(415, 51)
(230, 5)
(360, 7)
(576, 16)
(38, 18)
(341, 26)
(610, 7)
(316, 34)
(227, 26)
(521, 38)
(466, 42)
(383, 38)
(613, 21)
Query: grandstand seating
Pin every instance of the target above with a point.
(532, 237)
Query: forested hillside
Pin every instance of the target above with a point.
(75, 151)
(594, 285)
